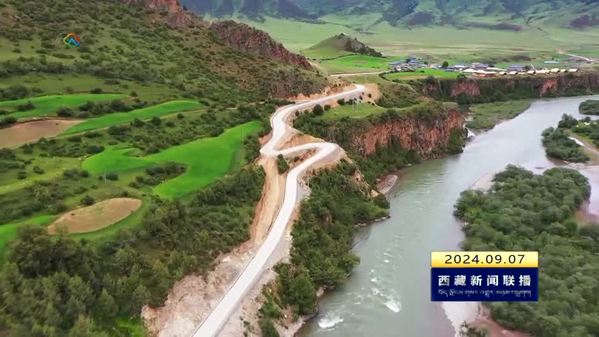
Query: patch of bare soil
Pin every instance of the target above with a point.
(28, 132)
(372, 93)
(95, 217)
(484, 321)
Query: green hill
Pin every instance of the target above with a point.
(339, 45)
(132, 45)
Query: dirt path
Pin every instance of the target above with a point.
(29, 132)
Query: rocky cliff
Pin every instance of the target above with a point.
(473, 90)
(253, 41)
(429, 137)
(175, 15)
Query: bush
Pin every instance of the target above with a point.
(38, 170)
(96, 91)
(590, 107)
(25, 107)
(318, 110)
(282, 165)
(111, 176)
(87, 200)
(341, 101)
(65, 112)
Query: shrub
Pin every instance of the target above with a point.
(282, 164)
(25, 107)
(111, 176)
(96, 91)
(318, 110)
(65, 112)
(87, 200)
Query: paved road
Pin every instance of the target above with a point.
(251, 274)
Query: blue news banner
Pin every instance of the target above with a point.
(484, 284)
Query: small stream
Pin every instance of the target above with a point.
(388, 295)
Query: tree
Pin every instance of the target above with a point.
(445, 65)
(318, 110)
(303, 294)
(87, 200)
(156, 121)
(106, 306)
(85, 327)
(141, 295)
(282, 165)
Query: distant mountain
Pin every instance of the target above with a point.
(493, 14)
(340, 45)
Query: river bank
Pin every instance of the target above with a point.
(387, 295)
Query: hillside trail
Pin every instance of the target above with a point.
(202, 305)
(281, 131)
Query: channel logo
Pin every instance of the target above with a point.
(72, 40)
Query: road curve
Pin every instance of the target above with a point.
(215, 321)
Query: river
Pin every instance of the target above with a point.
(388, 294)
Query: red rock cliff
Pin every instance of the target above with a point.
(425, 136)
(253, 41)
(474, 90)
(176, 16)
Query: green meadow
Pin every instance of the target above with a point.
(206, 160)
(48, 105)
(356, 63)
(411, 75)
(360, 110)
(127, 117)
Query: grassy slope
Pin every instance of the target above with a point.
(421, 74)
(48, 105)
(127, 117)
(352, 111)
(487, 115)
(356, 63)
(207, 159)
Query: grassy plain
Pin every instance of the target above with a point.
(487, 115)
(424, 73)
(352, 111)
(356, 63)
(48, 105)
(127, 117)
(436, 43)
(206, 160)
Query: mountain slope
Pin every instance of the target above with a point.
(462, 13)
(135, 41)
(340, 45)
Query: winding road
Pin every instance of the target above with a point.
(215, 321)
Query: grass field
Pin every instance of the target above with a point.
(352, 111)
(127, 117)
(9, 231)
(435, 43)
(48, 105)
(487, 115)
(206, 160)
(53, 167)
(84, 83)
(356, 63)
(423, 73)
